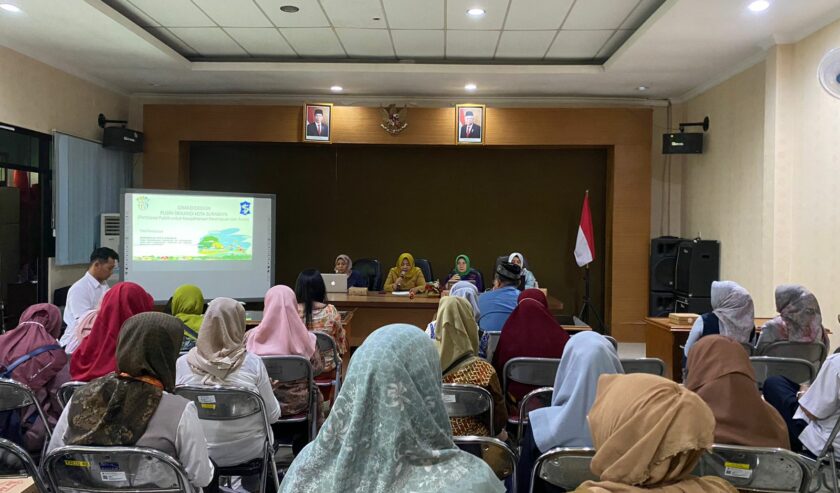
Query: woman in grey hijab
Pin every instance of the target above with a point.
(799, 319)
(732, 315)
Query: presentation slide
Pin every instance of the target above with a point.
(218, 241)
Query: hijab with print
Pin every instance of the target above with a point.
(468, 290)
(733, 306)
(220, 348)
(188, 307)
(530, 331)
(456, 332)
(281, 331)
(466, 270)
(388, 429)
(96, 355)
(587, 356)
(722, 375)
(649, 434)
(347, 260)
(82, 329)
(116, 409)
(799, 319)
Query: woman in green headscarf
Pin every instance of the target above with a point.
(463, 271)
(188, 307)
(388, 430)
(405, 276)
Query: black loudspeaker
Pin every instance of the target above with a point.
(688, 304)
(682, 143)
(698, 264)
(663, 262)
(122, 139)
(661, 303)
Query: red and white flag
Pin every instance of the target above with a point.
(585, 244)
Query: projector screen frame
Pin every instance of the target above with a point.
(270, 196)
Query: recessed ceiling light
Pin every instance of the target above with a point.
(10, 8)
(471, 87)
(759, 5)
(642, 88)
(476, 12)
(336, 88)
(289, 9)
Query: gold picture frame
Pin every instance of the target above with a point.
(314, 130)
(470, 124)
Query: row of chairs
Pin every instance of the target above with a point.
(813, 352)
(372, 269)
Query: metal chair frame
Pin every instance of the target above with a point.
(741, 466)
(660, 365)
(27, 462)
(325, 342)
(278, 370)
(268, 466)
(779, 350)
(62, 453)
(547, 369)
(760, 362)
(613, 341)
(66, 391)
(11, 389)
(466, 400)
(493, 337)
(524, 409)
(486, 444)
(555, 459)
(825, 458)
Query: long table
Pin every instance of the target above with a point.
(375, 310)
(663, 340)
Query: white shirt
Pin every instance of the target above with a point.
(823, 401)
(84, 295)
(237, 441)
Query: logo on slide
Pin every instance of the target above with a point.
(142, 202)
(245, 208)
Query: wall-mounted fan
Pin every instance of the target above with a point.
(829, 72)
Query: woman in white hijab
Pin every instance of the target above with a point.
(519, 259)
(732, 315)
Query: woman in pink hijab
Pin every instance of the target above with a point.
(44, 371)
(282, 333)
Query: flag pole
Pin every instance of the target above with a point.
(587, 307)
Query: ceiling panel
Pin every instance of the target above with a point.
(208, 41)
(524, 44)
(126, 8)
(471, 44)
(614, 42)
(261, 41)
(418, 43)
(314, 42)
(537, 14)
(309, 15)
(366, 42)
(173, 41)
(355, 13)
(414, 14)
(578, 44)
(640, 14)
(234, 13)
(599, 14)
(177, 14)
(457, 18)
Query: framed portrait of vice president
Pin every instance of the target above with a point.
(317, 122)
(469, 124)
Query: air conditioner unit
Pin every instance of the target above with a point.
(109, 231)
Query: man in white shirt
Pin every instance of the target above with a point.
(86, 293)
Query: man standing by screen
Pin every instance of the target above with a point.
(86, 293)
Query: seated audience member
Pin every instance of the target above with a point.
(732, 315)
(464, 272)
(355, 279)
(96, 355)
(405, 276)
(497, 305)
(86, 294)
(461, 289)
(135, 406)
(528, 279)
(799, 319)
(587, 356)
(649, 434)
(84, 325)
(389, 431)
(810, 412)
(188, 307)
(282, 333)
(456, 338)
(44, 372)
(220, 358)
(531, 331)
(721, 374)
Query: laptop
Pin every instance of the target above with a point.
(336, 283)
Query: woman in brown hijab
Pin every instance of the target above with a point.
(649, 434)
(721, 374)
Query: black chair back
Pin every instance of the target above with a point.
(426, 267)
(370, 268)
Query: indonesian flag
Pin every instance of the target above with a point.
(585, 244)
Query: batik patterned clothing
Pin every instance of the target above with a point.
(481, 373)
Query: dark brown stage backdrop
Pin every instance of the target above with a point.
(435, 202)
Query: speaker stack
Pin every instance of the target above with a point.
(681, 275)
(663, 263)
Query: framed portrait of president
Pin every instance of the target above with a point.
(469, 126)
(317, 123)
